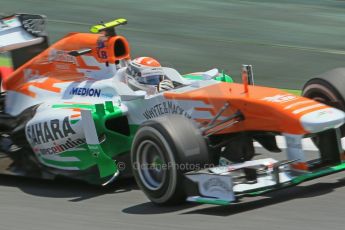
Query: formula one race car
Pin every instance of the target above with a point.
(67, 111)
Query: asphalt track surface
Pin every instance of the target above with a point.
(286, 41)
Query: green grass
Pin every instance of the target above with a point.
(293, 91)
(5, 61)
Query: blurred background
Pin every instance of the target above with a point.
(287, 41)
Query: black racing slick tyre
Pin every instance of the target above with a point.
(328, 88)
(162, 150)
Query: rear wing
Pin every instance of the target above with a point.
(24, 36)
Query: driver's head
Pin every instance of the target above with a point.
(146, 71)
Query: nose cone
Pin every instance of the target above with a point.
(322, 119)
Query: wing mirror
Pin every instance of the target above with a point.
(208, 75)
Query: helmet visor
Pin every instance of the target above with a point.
(150, 80)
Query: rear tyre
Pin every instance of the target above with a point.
(328, 88)
(163, 149)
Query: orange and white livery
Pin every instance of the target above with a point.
(75, 105)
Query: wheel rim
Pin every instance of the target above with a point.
(150, 165)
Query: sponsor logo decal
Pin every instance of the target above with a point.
(49, 131)
(61, 56)
(165, 108)
(56, 149)
(86, 92)
(101, 51)
(216, 183)
(34, 25)
(31, 74)
(280, 98)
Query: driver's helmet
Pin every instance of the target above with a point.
(146, 71)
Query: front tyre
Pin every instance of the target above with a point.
(163, 149)
(328, 88)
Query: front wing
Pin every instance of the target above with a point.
(229, 182)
